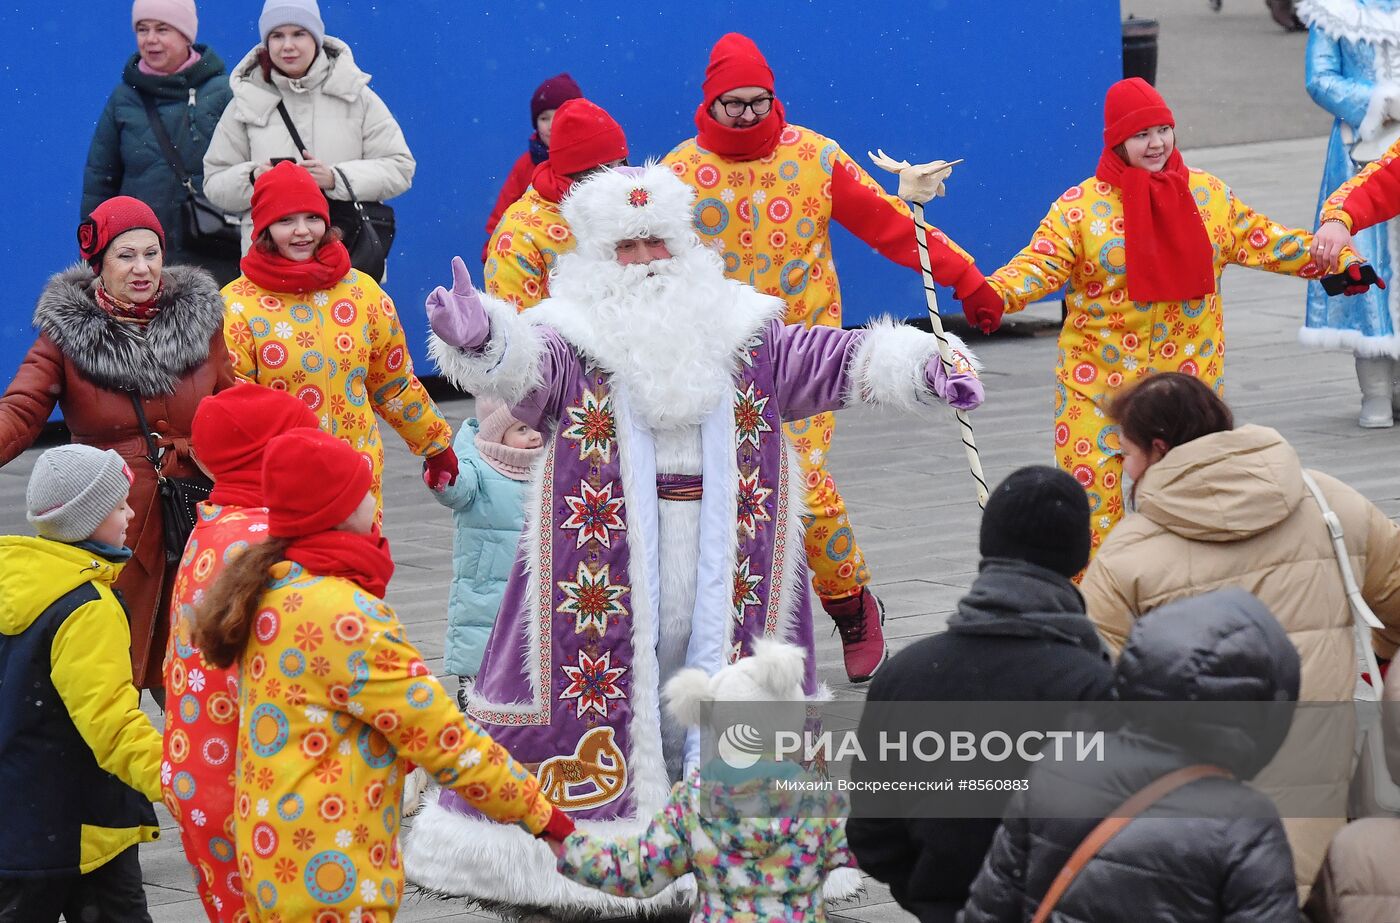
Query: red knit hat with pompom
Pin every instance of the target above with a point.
(286, 189)
(1131, 106)
(312, 482)
(112, 219)
(735, 61)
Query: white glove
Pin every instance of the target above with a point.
(920, 182)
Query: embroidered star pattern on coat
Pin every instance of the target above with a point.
(593, 683)
(752, 498)
(593, 426)
(596, 514)
(749, 416)
(591, 599)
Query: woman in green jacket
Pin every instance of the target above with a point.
(189, 87)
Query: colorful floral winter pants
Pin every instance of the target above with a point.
(1086, 446)
(837, 564)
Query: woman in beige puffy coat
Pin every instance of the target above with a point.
(1218, 506)
(343, 124)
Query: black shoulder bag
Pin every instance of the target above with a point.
(179, 497)
(367, 228)
(207, 229)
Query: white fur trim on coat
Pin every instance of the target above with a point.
(509, 366)
(887, 369)
(1345, 19)
(614, 205)
(1363, 346)
(1382, 95)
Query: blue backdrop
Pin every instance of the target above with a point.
(1013, 86)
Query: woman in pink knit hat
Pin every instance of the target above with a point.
(495, 452)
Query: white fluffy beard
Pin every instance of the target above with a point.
(669, 330)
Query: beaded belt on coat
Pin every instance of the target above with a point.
(678, 486)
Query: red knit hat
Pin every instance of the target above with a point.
(1130, 106)
(735, 61)
(232, 428)
(285, 190)
(552, 94)
(112, 219)
(312, 482)
(583, 137)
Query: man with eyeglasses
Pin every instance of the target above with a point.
(532, 233)
(766, 194)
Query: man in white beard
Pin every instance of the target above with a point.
(663, 527)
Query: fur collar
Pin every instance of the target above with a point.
(754, 311)
(1361, 22)
(176, 340)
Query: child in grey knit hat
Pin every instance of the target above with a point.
(68, 707)
(78, 493)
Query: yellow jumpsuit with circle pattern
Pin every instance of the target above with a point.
(1108, 340)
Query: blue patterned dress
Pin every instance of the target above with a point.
(1353, 66)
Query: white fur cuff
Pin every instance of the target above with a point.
(508, 367)
(887, 369)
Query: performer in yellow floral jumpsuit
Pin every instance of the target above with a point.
(333, 699)
(766, 194)
(1142, 272)
(327, 333)
(532, 234)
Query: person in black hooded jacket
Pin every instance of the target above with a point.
(1020, 634)
(1213, 849)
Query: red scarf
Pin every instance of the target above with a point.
(740, 143)
(238, 488)
(365, 559)
(1167, 249)
(276, 273)
(126, 310)
(553, 186)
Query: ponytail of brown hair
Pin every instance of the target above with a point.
(224, 619)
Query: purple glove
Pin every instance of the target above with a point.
(458, 317)
(962, 390)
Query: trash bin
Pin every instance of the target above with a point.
(1140, 49)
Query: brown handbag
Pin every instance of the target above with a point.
(1109, 827)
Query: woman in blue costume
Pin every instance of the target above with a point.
(1353, 72)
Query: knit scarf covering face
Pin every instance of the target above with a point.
(1168, 251)
(512, 462)
(126, 310)
(276, 273)
(740, 143)
(364, 559)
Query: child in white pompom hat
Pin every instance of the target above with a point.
(757, 852)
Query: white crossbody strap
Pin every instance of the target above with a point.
(1362, 616)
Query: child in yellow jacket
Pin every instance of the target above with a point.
(1140, 247)
(69, 714)
(333, 699)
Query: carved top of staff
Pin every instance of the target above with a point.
(919, 182)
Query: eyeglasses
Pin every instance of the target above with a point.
(734, 108)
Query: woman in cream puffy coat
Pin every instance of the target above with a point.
(343, 123)
(1219, 506)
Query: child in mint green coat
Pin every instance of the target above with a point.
(495, 452)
